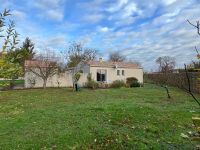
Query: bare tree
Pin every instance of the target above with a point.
(116, 57)
(90, 54)
(166, 64)
(189, 86)
(44, 67)
(77, 53)
(197, 26)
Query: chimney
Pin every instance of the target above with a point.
(100, 59)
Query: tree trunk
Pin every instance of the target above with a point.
(44, 83)
(167, 90)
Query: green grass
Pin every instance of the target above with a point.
(137, 118)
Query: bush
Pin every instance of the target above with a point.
(4, 85)
(77, 76)
(131, 80)
(135, 84)
(89, 77)
(7, 84)
(118, 84)
(92, 84)
(103, 85)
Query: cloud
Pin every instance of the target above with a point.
(50, 9)
(131, 9)
(55, 15)
(92, 18)
(167, 34)
(103, 29)
(19, 14)
(168, 2)
(91, 11)
(119, 4)
(86, 39)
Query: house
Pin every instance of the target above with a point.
(108, 71)
(101, 71)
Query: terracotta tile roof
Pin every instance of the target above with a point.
(111, 64)
(36, 63)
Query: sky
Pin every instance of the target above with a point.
(141, 30)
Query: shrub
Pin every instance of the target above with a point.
(91, 83)
(118, 84)
(103, 85)
(135, 84)
(130, 80)
(89, 77)
(76, 76)
(4, 85)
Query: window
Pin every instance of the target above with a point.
(118, 72)
(123, 73)
(101, 75)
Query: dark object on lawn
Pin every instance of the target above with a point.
(77, 87)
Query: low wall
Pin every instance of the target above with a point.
(61, 80)
(177, 79)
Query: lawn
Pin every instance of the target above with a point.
(137, 118)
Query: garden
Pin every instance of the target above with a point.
(114, 118)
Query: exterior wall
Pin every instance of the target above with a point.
(112, 74)
(66, 80)
(61, 80)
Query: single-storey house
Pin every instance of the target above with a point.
(101, 71)
(108, 71)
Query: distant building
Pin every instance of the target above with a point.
(101, 71)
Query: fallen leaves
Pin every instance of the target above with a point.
(184, 136)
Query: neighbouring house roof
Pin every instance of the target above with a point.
(110, 64)
(40, 63)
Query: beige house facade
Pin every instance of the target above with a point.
(108, 72)
(101, 71)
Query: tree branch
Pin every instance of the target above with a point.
(31, 70)
(196, 26)
(189, 86)
(196, 50)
